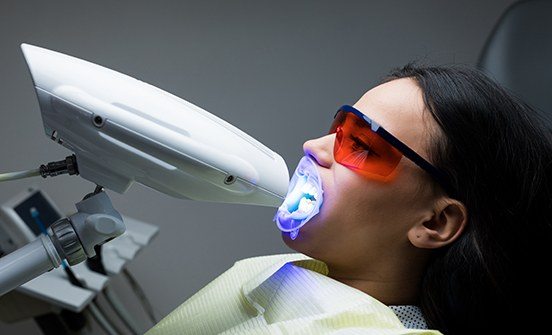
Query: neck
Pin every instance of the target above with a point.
(388, 292)
(391, 283)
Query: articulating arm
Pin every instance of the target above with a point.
(72, 238)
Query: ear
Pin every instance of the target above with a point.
(442, 227)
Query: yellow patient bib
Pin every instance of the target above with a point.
(281, 294)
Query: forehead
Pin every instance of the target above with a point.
(398, 106)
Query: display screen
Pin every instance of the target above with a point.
(44, 214)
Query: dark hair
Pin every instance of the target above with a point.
(498, 156)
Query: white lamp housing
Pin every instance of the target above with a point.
(123, 130)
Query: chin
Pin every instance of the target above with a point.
(298, 244)
(302, 244)
(293, 244)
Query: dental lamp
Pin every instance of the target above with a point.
(120, 131)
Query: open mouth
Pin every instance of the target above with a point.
(303, 199)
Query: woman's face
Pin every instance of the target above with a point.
(361, 219)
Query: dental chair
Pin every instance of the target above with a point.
(518, 54)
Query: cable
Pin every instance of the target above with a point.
(52, 169)
(100, 318)
(95, 310)
(107, 325)
(19, 175)
(68, 165)
(121, 311)
(141, 295)
(96, 264)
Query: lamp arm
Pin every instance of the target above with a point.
(72, 238)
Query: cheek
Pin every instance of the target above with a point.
(358, 214)
(358, 205)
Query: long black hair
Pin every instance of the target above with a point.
(497, 153)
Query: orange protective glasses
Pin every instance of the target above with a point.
(367, 148)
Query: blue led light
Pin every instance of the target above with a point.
(303, 200)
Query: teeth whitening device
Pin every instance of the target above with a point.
(122, 130)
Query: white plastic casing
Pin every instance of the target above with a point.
(124, 130)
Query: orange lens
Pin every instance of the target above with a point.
(359, 148)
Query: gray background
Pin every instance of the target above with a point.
(277, 70)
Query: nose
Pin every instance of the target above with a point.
(321, 149)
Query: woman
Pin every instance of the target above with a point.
(433, 202)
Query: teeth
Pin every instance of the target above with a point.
(310, 189)
(303, 200)
(305, 205)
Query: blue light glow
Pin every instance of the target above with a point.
(303, 200)
(36, 216)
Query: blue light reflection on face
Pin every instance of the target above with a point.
(303, 200)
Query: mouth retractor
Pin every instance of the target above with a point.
(303, 199)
